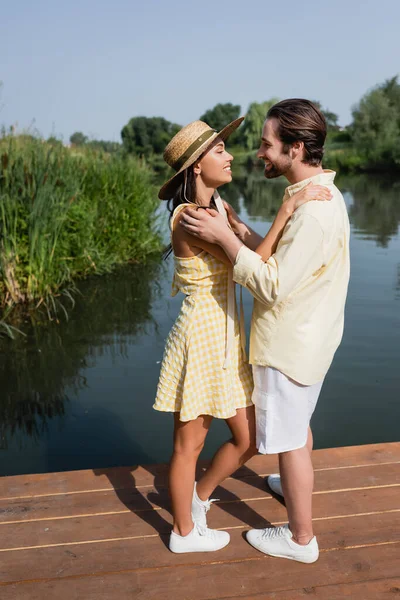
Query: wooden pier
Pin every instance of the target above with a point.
(103, 534)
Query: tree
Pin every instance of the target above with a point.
(78, 138)
(54, 141)
(221, 115)
(144, 135)
(254, 121)
(105, 146)
(331, 118)
(376, 125)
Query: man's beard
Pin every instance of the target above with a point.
(278, 169)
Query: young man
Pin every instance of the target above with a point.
(297, 322)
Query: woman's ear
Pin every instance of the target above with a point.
(197, 168)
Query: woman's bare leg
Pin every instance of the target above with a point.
(233, 454)
(189, 440)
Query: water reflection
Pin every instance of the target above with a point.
(231, 193)
(375, 210)
(109, 420)
(36, 369)
(261, 197)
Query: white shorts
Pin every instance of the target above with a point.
(283, 410)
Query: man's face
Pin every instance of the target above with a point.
(272, 151)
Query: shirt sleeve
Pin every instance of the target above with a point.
(298, 257)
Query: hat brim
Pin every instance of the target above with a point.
(168, 189)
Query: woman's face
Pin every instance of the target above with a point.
(214, 168)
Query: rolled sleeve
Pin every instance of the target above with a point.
(299, 255)
(246, 262)
(260, 278)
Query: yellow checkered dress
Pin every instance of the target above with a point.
(192, 380)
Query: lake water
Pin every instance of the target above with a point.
(79, 394)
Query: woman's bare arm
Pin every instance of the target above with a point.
(266, 246)
(186, 245)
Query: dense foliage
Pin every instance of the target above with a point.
(65, 214)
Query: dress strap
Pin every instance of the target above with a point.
(176, 212)
(231, 305)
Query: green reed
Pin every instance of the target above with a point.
(66, 214)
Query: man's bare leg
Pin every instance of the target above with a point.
(297, 478)
(310, 440)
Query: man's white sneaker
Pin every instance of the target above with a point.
(200, 539)
(200, 508)
(274, 482)
(277, 541)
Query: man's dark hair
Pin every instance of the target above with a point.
(301, 121)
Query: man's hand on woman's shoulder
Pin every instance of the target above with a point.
(206, 224)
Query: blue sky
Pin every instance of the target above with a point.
(91, 66)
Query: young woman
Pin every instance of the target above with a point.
(205, 373)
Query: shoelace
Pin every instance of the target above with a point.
(206, 504)
(274, 532)
(204, 531)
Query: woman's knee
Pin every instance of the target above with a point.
(188, 448)
(251, 449)
(246, 446)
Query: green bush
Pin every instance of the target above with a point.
(67, 213)
(343, 159)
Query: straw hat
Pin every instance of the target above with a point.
(186, 147)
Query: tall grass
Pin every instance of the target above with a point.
(66, 214)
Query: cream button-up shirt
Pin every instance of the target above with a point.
(300, 292)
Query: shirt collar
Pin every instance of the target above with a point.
(325, 178)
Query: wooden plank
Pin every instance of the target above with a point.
(25, 486)
(333, 458)
(146, 521)
(342, 533)
(94, 550)
(126, 477)
(100, 527)
(368, 590)
(355, 455)
(324, 506)
(357, 520)
(232, 491)
(221, 579)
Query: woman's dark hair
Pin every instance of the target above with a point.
(301, 121)
(185, 192)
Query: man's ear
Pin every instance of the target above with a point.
(297, 149)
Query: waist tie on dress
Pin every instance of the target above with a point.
(230, 313)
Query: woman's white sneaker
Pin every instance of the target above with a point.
(200, 539)
(274, 483)
(277, 541)
(200, 508)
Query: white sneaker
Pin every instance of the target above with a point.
(200, 508)
(277, 541)
(274, 482)
(200, 539)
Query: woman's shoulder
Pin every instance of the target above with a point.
(177, 211)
